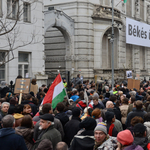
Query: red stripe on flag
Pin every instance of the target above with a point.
(49, 96)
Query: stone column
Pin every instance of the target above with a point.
(137, 9)
(148, 59)
(136, 59)
(148, 14)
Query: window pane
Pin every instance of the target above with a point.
(26, 15)
(23, 57)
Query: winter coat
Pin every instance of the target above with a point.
(50, 133)
(11, 141)
(2, 114)
(62, 117)
(133, 147)
(142, 141)
(110, 144)
(147, 124)
(130, 108)
(57, 125)
(84, 141)
(71, 128)
(132, 114)
(118, 125)
(74, 97)
(27, 134)
(114, 131)
(124, 109)
(99, 105)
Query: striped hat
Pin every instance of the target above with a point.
(101, 126)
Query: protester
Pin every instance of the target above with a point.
(48, 131)
(72, 127)
(102, 139)
(8, 139)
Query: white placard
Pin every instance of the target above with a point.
(137, 33)
(129, 74)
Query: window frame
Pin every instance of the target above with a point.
(28, 12)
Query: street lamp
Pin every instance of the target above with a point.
(112, 42)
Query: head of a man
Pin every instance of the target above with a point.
(139, 130)
(95, 100)
(110, 117)
(47, 109)
(109, 104)
(138, 105)
(8, 121)
(100, 133)
(46, 121)
(61, 146)
(5, 107)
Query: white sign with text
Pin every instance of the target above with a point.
(137, 33)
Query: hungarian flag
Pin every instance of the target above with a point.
(55, 93)
(124, 1)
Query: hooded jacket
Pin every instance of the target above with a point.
(147, 124)
(11, 141)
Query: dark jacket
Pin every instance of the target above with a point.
(114, 131)
(50, 133)
(62, 117)
(142, 141)
(45, 145)
(11, 141)
(71, 128)
(2, 114)
(98, 106)
(132, 114)
(27, 134)
(84, 141)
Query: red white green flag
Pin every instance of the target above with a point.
(124, 1)
(55, 93)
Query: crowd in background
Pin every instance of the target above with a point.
(109, 119)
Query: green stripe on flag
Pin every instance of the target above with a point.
(125, 1)
(58, 98)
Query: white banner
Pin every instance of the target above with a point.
(137, 33)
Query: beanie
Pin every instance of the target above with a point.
(101, 126)
(125, 137)
(88, 123)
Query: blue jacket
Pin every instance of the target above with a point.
(74, 97)
(11, 141)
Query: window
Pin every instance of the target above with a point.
(0, 8)
(23, 64)
(2, 68)
(12, 9)
(26, 14)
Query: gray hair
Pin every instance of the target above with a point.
(132, 93)
(52, 123)
(5, 103)
(61, 146)
(106, 88)
(8, 121)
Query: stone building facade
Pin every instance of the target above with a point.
(27, 59)
(77, 38)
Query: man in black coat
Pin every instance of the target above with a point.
(61, 115)
(72, 127)
(135, 112)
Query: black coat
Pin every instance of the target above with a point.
(62, 117)
(71, 128)
(132, 114)
(84, 141)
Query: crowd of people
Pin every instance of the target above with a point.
(91, 117)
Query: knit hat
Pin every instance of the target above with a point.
(101, 126)
(88, 123)
(76, 111)
(139, 128)
(125, 137)
(109, 116)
